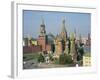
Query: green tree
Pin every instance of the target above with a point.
(69, 59)
(62, 59)
(65, 59)
(81, 52)
(41, 58)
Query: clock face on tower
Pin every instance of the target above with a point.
(42, 30)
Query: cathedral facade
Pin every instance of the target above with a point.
(65, 44)
(61, 40)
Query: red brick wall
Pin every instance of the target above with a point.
(31, 49)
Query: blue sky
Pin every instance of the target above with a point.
(53, 21)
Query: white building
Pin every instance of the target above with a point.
(87, 59)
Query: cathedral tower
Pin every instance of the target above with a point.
(58, 46)
(63, 34)
(61, 40)
(63, 31)
(73, 52)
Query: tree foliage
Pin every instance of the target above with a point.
(41, 58)
(65, 59)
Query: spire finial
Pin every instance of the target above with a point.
(63, 25)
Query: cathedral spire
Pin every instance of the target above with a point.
(75, 33)
(73, 48)
(63, 29)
